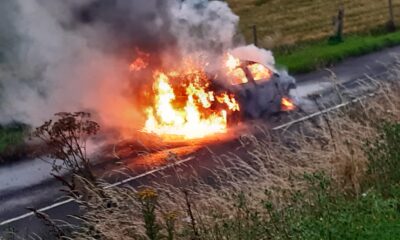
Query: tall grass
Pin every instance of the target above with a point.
(321, 179)
(314, 181)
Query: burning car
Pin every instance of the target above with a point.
(188, 102)
(260, 89)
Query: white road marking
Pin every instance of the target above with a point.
(305, 118)
(44, 209)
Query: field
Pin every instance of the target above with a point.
(286, 22)
(298, 31)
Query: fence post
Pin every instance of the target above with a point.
(255, 37)
(391, 25)
(338, 22)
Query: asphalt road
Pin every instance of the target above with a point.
(29, 184)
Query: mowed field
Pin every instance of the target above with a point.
(286, 22)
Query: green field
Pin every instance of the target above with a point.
(320, 54)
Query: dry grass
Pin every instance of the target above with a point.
(273, 163)
(285, 22)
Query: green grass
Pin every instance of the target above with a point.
(325, 211)
(10, 136)
(375, 214)
(320, 213)
(384, 159)
(333, 215)
(321, 54)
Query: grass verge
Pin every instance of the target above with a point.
(10, 138)
(321, 54)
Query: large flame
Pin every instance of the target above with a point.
(183, 104)
(185, 107)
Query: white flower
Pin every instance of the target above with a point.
(364, 194)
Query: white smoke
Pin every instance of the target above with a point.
(201, 25)
(254, 54)
(57, 70)
(64, 64)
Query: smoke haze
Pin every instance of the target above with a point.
(73, 55)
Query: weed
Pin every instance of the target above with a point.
(148, 202)
(384, 158)
(65, 138)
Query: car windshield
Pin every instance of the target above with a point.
(259, 72)
(238, 76)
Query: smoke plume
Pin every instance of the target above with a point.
(73, 55)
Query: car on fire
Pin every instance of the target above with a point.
(193, 101)
(260, 89)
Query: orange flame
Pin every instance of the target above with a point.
(141, 62)
(232, 62)
(230, 101)
(287, 104)
(184, 108)
(259, 71)
(237, 74)
(138, 64)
